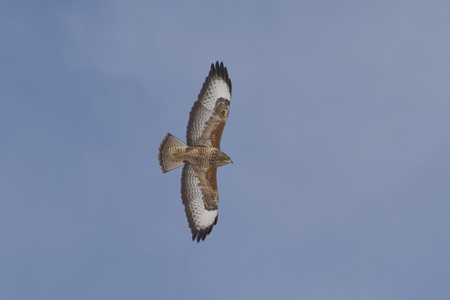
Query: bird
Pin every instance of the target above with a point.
(200, 156)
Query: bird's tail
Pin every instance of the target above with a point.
(170, 145)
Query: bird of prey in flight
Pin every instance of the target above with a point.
(200, 156)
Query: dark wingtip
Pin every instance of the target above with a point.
(220, 70)
(200, 235)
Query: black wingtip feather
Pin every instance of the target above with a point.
(220, 70)
(201, 234)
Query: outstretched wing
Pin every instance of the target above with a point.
(210, 112)
(200, 198)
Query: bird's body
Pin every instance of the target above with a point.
(201, 156)
(205, 157)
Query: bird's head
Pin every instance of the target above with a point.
(224, 159)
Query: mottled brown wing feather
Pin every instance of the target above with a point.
(212, 133)
(200, 198)
(209, 114)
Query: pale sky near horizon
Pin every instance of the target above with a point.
(339, 131)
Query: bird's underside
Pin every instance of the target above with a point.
(201, 155)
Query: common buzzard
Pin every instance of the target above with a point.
(201, 155)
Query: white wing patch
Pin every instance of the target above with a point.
(218, 88)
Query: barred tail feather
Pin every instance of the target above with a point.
(166, 158)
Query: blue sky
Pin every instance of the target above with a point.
(338, 129)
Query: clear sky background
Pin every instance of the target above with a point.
(339, 130)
